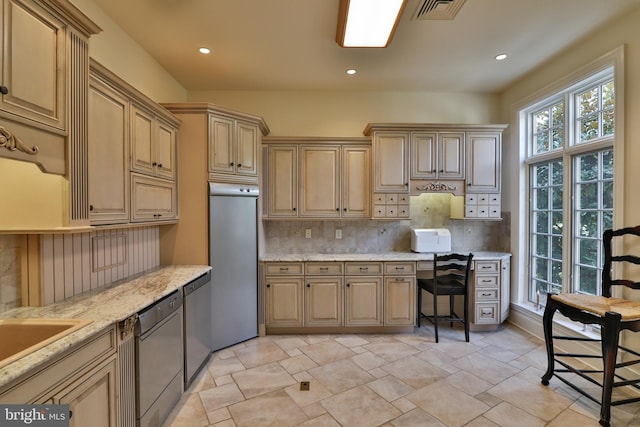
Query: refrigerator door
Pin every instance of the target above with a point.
(233, 255)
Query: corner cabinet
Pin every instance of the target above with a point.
(317, 178)
(131, 152)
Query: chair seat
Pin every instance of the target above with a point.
(599, 305)
(446, 286)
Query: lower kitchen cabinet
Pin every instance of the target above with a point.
(283, 301)
(399, 293)
(363, 301)
(84, 378)
(323, 301)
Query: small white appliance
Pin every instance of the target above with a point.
(430, 240)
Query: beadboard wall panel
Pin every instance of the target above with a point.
(71, 264)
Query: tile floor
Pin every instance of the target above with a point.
(386, 380)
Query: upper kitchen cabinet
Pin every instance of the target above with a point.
(484, 154)
(153, 144)
(232, 140)
(390, 162)
(132, 153)
(43, 82)
(437, 155)
(317, 178)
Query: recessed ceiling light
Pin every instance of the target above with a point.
(351, 71)
(501, 57)
(204, 50)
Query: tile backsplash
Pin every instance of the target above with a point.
(10, 292)
(374, 236)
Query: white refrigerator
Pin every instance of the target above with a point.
(233, 256)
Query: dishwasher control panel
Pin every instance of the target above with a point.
(156, 312)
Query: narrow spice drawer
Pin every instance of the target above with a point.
(487, 267)
(323, 268)
(273, 268)
(363, 268)
(487, 295)
(400, 267)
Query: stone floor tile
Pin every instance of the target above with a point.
(274, 409)
(360, 407)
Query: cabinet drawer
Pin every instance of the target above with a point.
(486, 295)
(284, 268)
(425, 265)
(322, 268)
(482, 198)
(391, 199)
(379, 199)
(487, 281)
(487, 267)
(494, 199)
(403, 211)
(363, 268)
(403, 199)
(470, 199)
(486, 313)
(399, 268)
(494, 211)
(379, 211)
(391, 211)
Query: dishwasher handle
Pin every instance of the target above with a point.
(197, 283)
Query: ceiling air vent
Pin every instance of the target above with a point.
(438, 9)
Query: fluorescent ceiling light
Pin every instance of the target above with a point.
(368, 23)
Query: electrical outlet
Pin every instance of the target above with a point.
(467, 231)
(338, 233)
(307, 233)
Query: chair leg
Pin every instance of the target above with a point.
(610, 337)
(451, 309)
(419, 307)
(465, 315)
(435, 314)
(547, 323)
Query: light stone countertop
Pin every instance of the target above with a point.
(383, 256)
(103, 307)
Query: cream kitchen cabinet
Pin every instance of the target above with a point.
(490, 296)
(283, 294)
(390, 162)
(233, 150)
(84, 378)
(317, 178)
(363, 294)
(399, 293)
(323, 294)
(108, 154)
(153, 144)
(437, 155)
(132, 154)
(43, 89)
(484, 154)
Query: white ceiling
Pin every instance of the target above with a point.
(290, 44)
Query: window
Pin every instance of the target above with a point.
(570, 154)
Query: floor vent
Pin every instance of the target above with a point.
(438, 9)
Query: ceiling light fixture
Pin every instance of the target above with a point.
(351, 71)
(501, 57)
(368, 23)
(204, 50)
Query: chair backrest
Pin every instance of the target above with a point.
(457, 266)
(609, 259)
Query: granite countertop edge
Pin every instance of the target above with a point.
(372, 257)
(103, 307)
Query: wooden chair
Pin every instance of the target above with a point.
(450, 277)
(613, 315)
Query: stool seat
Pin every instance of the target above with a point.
(599, 305)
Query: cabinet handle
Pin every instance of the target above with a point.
(284, 268)
(486, 294)
(399, 268)
(4, 90)
(486, 266)
(468, 184)
(324, 268)
(486, 281)
(154, 164)
(90, 208)
(364, 268)
(160, 165)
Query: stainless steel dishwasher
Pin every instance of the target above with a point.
(197, 326)
(159, 360)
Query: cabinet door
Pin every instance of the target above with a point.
(108, 147)
(282, 181)
(142, 153)
(283, 301)
(33, 64)
(323, 301)
(165, 150)
(221, 145)
(424, 155)
(152, 199)
(363, 301)
(399, 300)
(319, 181)
(246, 158)
(483, 162)
(451, 155)
(92, 400)
(356, 182)
(391, 162)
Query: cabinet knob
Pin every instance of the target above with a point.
(90, 207)
(154, 164)
(441, 170)
(294, 209)
(4, 90)
(308, 285)
(337, 209)
(348, 285)
(468, 184)
(159, 165)
(239, 165)
(434, 171)
(345, 209)
(231, 164)
(268, 285)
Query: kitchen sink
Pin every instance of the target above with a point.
(20, 337)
